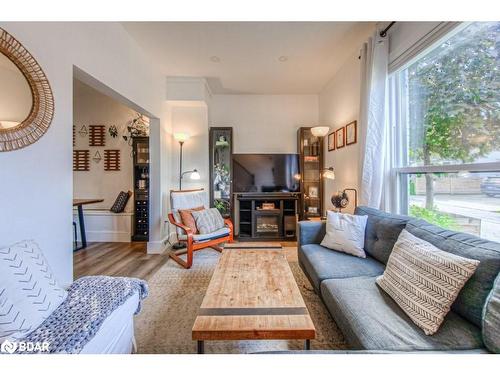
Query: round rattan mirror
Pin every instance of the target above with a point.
(26, 100)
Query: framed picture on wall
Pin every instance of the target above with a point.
(340, 137)
(331, 141)
(351, 133)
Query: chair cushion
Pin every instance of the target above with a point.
(182, 200)
(208, 221)
(320, 263)
(188, 219)
(29, 293)
(371, 320)
(223, 232)
(473, 296)
(188, 199)
(423, 280)
(382, 232)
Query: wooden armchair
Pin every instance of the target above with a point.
(186, 199)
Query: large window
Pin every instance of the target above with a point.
(445, 112)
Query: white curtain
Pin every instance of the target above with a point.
(373, 124)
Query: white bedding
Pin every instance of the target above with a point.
(116, 335)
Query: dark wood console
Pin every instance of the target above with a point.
(258, 220)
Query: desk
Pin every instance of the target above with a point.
(79, 203)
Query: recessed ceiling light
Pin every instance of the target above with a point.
(215, 59)
(283, 58)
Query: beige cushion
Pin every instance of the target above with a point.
(423, 280)
(188, 219)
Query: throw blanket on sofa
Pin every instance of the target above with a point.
(90, 301)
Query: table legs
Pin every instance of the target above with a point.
(201, 347)
(307, 345)
(81, 222)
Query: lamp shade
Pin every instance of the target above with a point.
(195, 175)
(320, 131)
(181, 137)
(329, 173)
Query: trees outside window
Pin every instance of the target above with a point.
(452, 118)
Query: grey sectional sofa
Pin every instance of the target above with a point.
(370, 319)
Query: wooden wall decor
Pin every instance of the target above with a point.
(97, 135)
(81, 160)
(42, 110)
(111, 160)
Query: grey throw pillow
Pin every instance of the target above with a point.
(208, 221)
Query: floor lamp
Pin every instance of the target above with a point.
(181, 138)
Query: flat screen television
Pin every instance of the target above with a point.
(266, 173)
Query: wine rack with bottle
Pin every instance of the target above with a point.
(140, 146)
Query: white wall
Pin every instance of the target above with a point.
(90, 107)
(190, 117)
(264, 123)
(37, 181)
(339, 105)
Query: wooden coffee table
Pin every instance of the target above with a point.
(253, 296)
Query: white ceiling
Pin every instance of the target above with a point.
(249, 52)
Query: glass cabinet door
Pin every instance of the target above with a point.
(221, 153)
(142, 152)
(311, 150)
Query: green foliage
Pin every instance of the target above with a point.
(434, 217)
(222, 205)
(455, 92)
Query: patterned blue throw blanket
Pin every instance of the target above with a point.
(90, 301)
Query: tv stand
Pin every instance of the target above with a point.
(275, 221)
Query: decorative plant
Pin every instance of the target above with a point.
(222, 205)
(113, 131)
(222, 177)
(137, 127)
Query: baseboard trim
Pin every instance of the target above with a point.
(157, 247)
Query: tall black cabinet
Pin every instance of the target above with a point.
(221, 173)
(140, 149)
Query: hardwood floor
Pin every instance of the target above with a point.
(121, 259)
(117, 259)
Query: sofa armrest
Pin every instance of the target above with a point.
(311, 232)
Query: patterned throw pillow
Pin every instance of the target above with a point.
(120, 202)
(188, 219)
(29, 293)
(345, 233)
(208, 221)
(423, 280)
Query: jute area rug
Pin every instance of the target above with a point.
(165, 322)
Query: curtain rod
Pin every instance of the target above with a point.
(383, 33)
